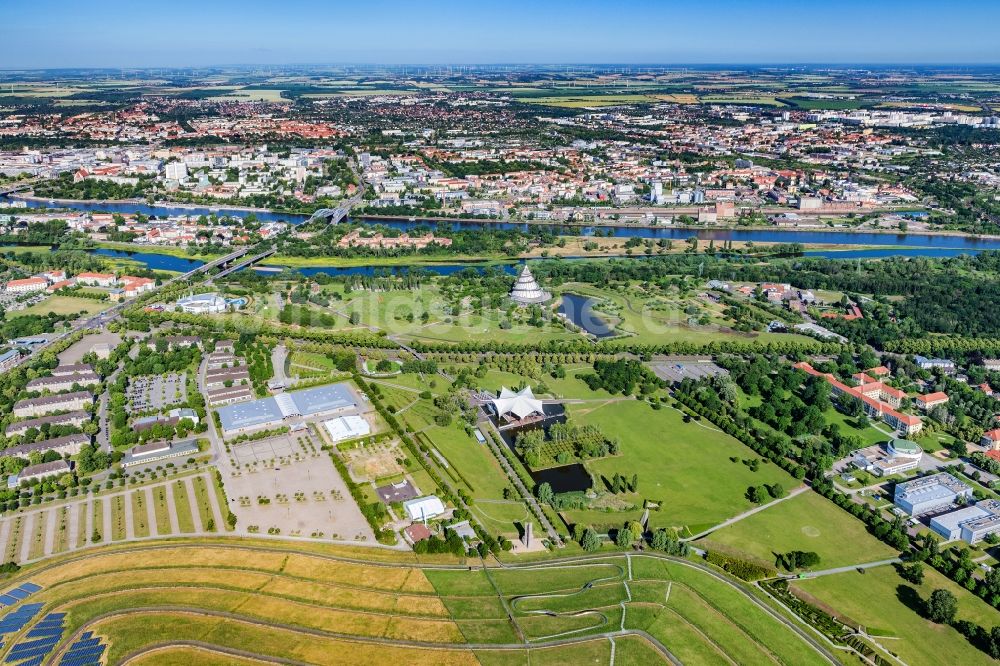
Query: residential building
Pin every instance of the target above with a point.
(931, 400)
(69, 445)
(77, 418)
(52, 403)
(9, 359)
(931, 363)
(63, 383)
(40, 471)
(97, 279)
(27, 285)
(991, 439)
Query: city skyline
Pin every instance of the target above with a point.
(187, 34)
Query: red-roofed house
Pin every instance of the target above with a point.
(96, 279)
(985, 388)
(931, 400)
(991, 439)
(879, 371)
(27, 285)
(417, 532)
(877, 399)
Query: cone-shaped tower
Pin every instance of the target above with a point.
(526, 290)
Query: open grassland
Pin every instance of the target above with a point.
(244, 602)
(889, 609)
(806, 522)
(674, 461)
(62, 305)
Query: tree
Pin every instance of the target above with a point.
(942, 607)
(545, 494)
(913, 573)
(590, 541)
(623, 539)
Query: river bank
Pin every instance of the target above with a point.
(298, 217)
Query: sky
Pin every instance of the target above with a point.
(182, 33)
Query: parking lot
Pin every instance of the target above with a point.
(289, 484)
(156, 392)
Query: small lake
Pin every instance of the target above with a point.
(580, 310)
(565, 479)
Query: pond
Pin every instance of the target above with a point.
(565, 479)
(580, 310)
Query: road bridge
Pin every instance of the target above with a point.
(242, 264)
(332, 215)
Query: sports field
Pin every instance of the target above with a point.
(321, 605)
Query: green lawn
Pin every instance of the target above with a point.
(185, 521)
(140, 515)
(62, 305)
(885, 604)
(684, 466)
(474, 462)
(806, 522)
(849, 425)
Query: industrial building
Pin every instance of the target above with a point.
(272, 412)
(930, 493)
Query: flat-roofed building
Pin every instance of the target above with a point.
(9, 359)
(155, 451)
(423, 508)
(894, 457)
(949, 525)
(52, 403)
(343, 428)
(77, 418)
(271, 412)
(68, 445)
(977, 529)
(930, 493)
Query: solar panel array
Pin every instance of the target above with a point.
(39, 641)
(86, 651)
(20, 593)
(16, 620)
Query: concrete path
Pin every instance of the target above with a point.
(52, 519)
(172, 510)
(853, 567)
(129, 525)
(747, 514)
(27, 534)
(154, 529)
(73, 525)
(193, 505)
(4, 536)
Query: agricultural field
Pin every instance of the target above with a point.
(807, 522)
(888, 608)
(295, 602)
(673, 460)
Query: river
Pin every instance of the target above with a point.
(896, 244)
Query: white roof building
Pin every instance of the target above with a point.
(422, 508)
(521, 404)
(347, 427)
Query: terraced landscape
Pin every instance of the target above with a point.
(219, 601)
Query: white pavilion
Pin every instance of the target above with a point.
(526, 290)
(517, 405)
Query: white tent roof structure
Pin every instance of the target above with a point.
(526, 289)
(520, 404)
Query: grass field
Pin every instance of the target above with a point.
(673, 461)
(885, 604)
(807, 522)
(272, 600)
(63, 305)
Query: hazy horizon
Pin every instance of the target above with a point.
(56, 34)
